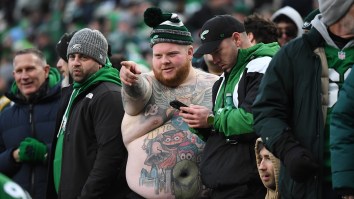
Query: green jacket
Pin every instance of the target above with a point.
(341, 132)
(242, 82)
(234, 124)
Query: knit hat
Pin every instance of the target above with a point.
(307, 20)
(62, 45)
(167, 28)
(215, 30)
(333, 10)
(91, 43)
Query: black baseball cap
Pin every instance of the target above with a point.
(215, 30)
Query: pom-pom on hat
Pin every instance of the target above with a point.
(333, 10)
(167, 28)
(91, 43)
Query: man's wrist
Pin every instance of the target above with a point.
(210, 119)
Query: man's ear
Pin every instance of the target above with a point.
(251, 37)
(190, 51)
(46, 70)
(236, 37)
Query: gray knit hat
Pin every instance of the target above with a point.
(167, 28)
(333, 10)
(91, 43)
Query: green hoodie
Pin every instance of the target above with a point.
(237, 121)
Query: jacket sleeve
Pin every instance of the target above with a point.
(341, 139)
(272, 106)
(107, 112)
(8, 166)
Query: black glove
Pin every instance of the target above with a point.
(300, 164)
(297, 159)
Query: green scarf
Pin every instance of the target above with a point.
(105, 74)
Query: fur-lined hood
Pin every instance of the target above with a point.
(271, 194)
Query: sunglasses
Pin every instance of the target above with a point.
(289, 32)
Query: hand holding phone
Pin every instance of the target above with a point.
(177, 104)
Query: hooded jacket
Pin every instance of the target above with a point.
(293, 15)
(271, 194)
(234, 126)
(29, 118)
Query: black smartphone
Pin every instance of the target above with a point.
(177, 104)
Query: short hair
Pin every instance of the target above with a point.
(34, 51)
(264, 30)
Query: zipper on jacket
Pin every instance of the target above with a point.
(33, 134)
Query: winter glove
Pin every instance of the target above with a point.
(32, 150)
(300, 164)
(297, 159)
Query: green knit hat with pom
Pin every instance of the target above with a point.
(167, 28)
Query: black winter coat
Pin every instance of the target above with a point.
(94, 156)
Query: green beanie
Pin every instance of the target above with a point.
(167, 28)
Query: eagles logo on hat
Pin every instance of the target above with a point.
(167, 28)
(215, 30)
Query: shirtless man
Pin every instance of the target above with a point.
(164, 155)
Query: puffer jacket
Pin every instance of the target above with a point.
(34, 118)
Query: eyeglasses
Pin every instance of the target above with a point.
(289, 32)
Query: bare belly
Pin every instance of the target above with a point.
(165, 164)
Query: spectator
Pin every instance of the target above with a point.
(294, 103)
(268, 169)
(27, 127)
(116, 59)
(6, 80)
(11, 190)
(341, 140)
(88, 155)
(226, 40)
(62, 64)
(163, 154)
(289, 23)
(259, 29)
(206, 64)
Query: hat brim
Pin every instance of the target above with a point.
(207, 48)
